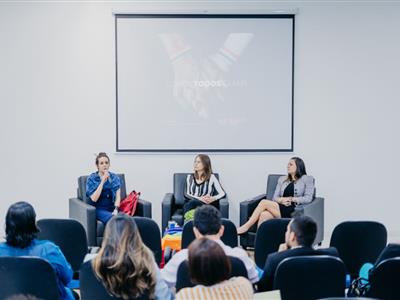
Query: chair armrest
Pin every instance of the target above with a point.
(86, 215)
(247, 207)
(224, 207)
(315, 210)
(143, 208)
(166, 207)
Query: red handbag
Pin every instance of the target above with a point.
(128, 205)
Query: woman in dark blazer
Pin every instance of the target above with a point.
(291, 190)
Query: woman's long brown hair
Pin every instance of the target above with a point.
(124, 264)
(206, 161)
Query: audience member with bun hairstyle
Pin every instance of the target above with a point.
(209, 269)
(124, 264)
(103, 189)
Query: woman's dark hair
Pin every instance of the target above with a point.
(21, 226)
(208, 263)
(100, 155)
(300, 168)
(124, 264)
(206, 161)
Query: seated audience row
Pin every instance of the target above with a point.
(127, 268)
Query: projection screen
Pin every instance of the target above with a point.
(210, 83)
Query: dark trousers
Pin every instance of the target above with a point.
(194, 203)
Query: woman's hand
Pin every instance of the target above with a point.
(207, 199)
(105, 176)
(287, 201)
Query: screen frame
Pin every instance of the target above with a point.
(204, 16)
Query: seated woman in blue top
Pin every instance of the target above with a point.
(20, 241)
(202, 187)
(103, 188)
(125, 265)
(291, 190)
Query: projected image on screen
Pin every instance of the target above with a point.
(187, 83)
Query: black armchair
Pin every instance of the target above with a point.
(310, 277)
(27, 275)
(358, 242)
(384, 280)
(314, 209)
(81, 210)
(172, 204)
(67, 234)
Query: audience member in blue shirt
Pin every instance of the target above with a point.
(125, 265)
(20, 241)
(103, 189)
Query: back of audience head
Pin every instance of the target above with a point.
(207, 221)
(21, 226)
(208, 263)
(124, 264)
(301, 231)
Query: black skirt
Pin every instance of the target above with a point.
(286, 211)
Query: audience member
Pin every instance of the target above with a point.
(125, 265)
(207, 223)
(209, 269)
(299, 238)
(21, 240)
(103, 188)
(291, 190)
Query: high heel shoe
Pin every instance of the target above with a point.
(242, 233)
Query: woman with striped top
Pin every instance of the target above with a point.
(202, 187)
(210, 268)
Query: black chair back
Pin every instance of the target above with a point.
(384, 280)
(27, 276)
(91, 288)
(179, 187)
(151, 237)
(358, 242)
(82, 188)
(310, 277)
(269, 236)
(67, 234)
(272, 181)
(229, 237)
(183, 276)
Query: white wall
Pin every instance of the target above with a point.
(57, 91)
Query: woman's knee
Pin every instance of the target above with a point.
(271, 205)
(264, 203)
(265, 215)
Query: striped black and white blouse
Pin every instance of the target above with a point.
(210, 187)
